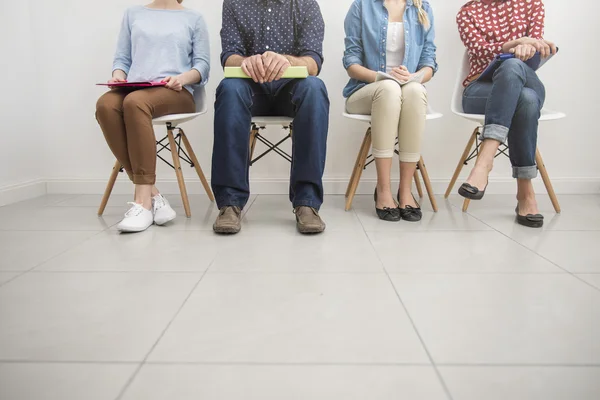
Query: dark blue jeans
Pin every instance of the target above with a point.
(511, 103)
(305, 100)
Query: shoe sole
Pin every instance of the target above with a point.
(127, 230)
(311, 231)
(226, 230)
(469, 195)
(166, 221)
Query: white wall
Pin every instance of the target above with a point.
(75, 42)
(19, 136)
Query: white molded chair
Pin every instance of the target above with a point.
(261, 123)
(172, 122)
(470, 154)
(363, 156)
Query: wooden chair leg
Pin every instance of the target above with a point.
(428, 186)
(109, 187)
(354, 169)
(358, 169)
(179, 173)
(197, 166)
(461, 162)
(418, 184)
(253, 134)
(547, 182)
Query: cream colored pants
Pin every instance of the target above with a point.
(396, 112)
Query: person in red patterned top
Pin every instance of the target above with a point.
(512, 100)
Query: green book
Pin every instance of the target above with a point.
(290, 73)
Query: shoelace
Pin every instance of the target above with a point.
(159, 202)
(135, 210)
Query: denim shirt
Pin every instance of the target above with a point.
(366, 34)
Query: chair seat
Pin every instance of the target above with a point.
(263, 121)
(547, 115)
(367, 118)
(175, 119)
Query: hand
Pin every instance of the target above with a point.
(254, 68)
(115, 80)
(275, 65)
(553, 48)
(401, 73)
(173, 83)
(524, 52)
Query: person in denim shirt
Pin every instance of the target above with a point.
(395, 37)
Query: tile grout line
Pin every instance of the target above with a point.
(30, 270)
(414, 326)
(572, 274)
(162, 334)
(305, 364)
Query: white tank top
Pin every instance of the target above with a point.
(395, 46)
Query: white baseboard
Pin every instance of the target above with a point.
(22, 191)
(332, 186)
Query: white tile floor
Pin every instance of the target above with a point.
(459, 306)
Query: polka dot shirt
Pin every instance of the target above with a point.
(485, 26)
(291, 27)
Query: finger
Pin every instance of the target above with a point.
(552, 47)
(260, 67)
(267, 61)
(245, 69)
(251, 72)
(276, 66)
(402, 67)
(282, 71)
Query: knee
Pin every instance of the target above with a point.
(414, 92)
(529, 103)
(389, 90)
(134, 102)
(105, 107)
(513, 67)
(234, 88)
(312, 87)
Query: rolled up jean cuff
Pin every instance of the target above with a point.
(382, 153)
(525, 172)
(410, 157)
(496, 132)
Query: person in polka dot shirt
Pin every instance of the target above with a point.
(512, 100)
(265, 38)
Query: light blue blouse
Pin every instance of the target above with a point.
(154, 44)
(366, 34)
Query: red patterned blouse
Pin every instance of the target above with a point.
(485, 26)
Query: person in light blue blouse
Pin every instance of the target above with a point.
(161, 42)
(390, 53)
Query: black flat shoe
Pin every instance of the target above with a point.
(386, 213)
(410, 213)
(530, 220)
(471, 192)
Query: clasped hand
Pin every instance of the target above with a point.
(401, 73)
(267, 67)
(528, 47)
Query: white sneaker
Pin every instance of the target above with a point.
(137, 219)
(163, 212)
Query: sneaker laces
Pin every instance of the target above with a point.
(158, 202)
(135, 210)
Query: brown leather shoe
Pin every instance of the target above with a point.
(308, 220)
(229, 220)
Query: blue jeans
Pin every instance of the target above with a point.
(305, 100)
(511, 103)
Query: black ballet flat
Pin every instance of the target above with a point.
(387, 214)
(410, 213)
(471, 192)
(530, 220)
